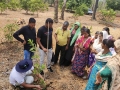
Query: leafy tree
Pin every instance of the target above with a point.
(37, 5)
(14, 4)
(3, 6)
(113, 4)
(81, 10)
(74, 4)
(25, 4)
(107, 15)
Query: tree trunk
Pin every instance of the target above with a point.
(63, 9)
(56, 11)
(95, 9)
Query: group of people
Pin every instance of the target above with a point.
(95, 58)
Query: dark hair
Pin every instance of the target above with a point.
(49, 20)
(97, 32)
(32, 20)
(107, 29)
(83, 28)
(87, 30)
(109, 43)
(101, 33)
(66, 23)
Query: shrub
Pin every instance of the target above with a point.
(81, 10)
(14, 4)
(107, 15)
(9, 29)
(3, 6)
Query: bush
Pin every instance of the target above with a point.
(14, 4)
(3, 6)
(107, 15)
(9, 29)
(81, 10)
(113, 4)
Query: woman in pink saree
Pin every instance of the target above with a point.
(80, 58)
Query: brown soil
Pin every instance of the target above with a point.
(11, 53)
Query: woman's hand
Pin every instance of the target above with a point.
(98, 78)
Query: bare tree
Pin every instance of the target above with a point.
(56, 11)
(63, 9)
(95, 9)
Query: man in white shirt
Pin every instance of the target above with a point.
(21, 75)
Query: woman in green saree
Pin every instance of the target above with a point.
(108, 78)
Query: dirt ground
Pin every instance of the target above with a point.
(11, 53)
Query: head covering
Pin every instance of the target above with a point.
(78, 31)
(24, 66)
(105, 35)
(117, 44)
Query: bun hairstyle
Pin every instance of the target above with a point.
(109, 43)
(107, 29)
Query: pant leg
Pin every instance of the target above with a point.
(57, 50)
(42, 56)
(26, 54)
(31, 55)
(49, 58)
(62, 55)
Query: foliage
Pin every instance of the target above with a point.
(25, 4)
(9, 29)
(30, 42)
(113, 4)
(81, 10)
(73, 4)
(33, 5)
(37, 67)
(107, 15)
(14, 4)
(3, 6)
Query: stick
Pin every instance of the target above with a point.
(47, 40)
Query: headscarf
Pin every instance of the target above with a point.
(96, 44)
(78, 31)
(105, 35)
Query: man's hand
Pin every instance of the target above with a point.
(66, 48)
(24, 42)
(57, 41)
(44, 49)
(38, 87)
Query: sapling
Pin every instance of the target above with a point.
(37, 67)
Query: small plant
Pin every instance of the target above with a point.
(37, 67)
(37, 70)
(107, 15)
(9, 29)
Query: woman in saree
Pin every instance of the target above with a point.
(101, 60)
(108, 77)
(80, 58)
(75, 32)
(96, 47)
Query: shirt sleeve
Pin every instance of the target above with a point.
(39, 33)
(19, 80)
(17, 33)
